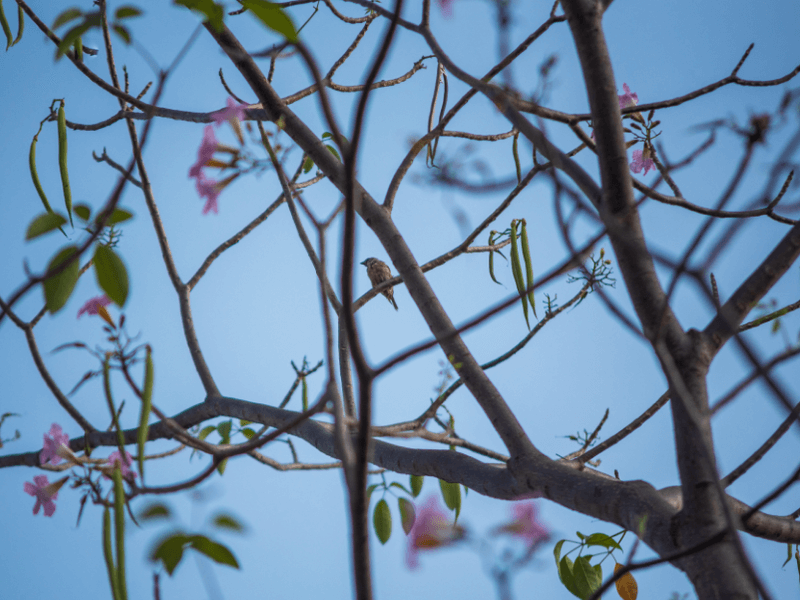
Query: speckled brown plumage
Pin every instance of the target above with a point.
(378, 272)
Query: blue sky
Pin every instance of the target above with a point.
(257, 308)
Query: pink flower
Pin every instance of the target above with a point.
(525, 524)
(209, 189)
(641, 160)
(115, 458)
(628, 99)
(93, 305)
(432, 529)
(232, 112)
(205, 153)
(45, 494)
(52, 440)
(233, 115)
(446, 7)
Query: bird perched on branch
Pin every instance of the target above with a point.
(378, 272)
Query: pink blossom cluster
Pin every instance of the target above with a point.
(432, 529)
(207, 187)
(525, 524)
(642, 159)
(54, 449)
(97, 306)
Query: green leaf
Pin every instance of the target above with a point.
(408, 514)
(118, 216)
(123, 33)
(112, 276)
(224, 521)
(221, 466)
(44, 224)
(273, 17)
(170, 551)
(82, 211)
(213, 12)
(214, 550)
(598, 569)
(400, 486)
(333, 151)
(451, 494)
(224, 430)
(601, 539)
(66, 16)
(586, 578)
(206, 431)
(557, 551)
(382, 521)
(416, 484)
(71, 37)
(155, 511)
(308, 164)
(243, 422)
(248, 433)
(566, 576)
(371, 489)
(57, 289)
(126, 12)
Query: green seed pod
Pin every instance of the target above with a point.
(491, 258)
(516, 269)
(20, 25)
(147, 403)
(119, 531)
(526, 254)
(515, 151)
(6, 27)
(108, 554)
(34, 175)
(62, 158)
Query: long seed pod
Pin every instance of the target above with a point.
(34, 175)
(111, 408)
(62, 158)
(6, 27)
(491, 257)
(305, 394)
(79, 50)
(119, 531)
(147, 403)
(515, 151)
(516, 269)
(526, 255)
(20, 25)
(108, 554)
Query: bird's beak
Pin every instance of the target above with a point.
(364, 263)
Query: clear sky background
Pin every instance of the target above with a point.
(257, 308)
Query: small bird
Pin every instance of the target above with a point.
(378, 272)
